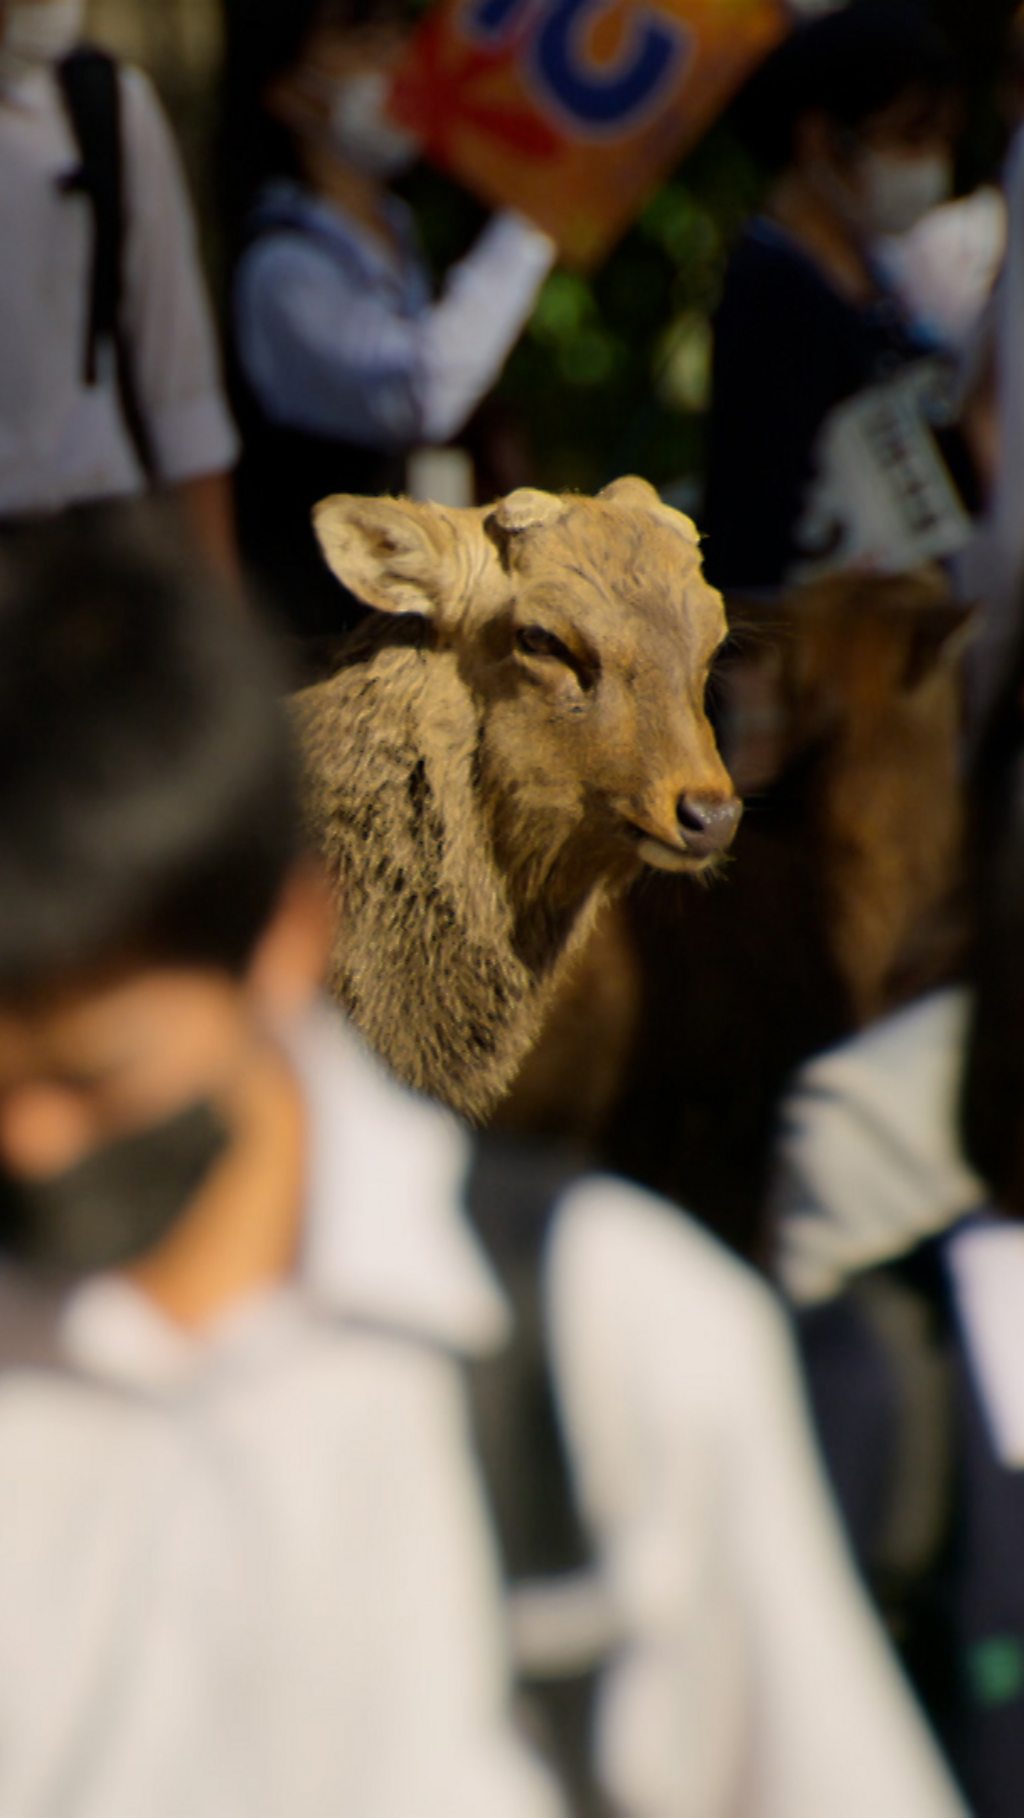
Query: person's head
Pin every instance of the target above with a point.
(308, 78)
(36, 33)
(159, 924)
(862, 103)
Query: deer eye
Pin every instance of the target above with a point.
(534, 640)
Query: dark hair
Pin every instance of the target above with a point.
(264, 39)
(849, 64)
(992, 1097)
(148, 801)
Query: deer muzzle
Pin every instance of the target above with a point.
(707, 823)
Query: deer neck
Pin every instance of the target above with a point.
(556, 875)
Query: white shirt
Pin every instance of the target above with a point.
(340, 340)
(249, 1575)
(868, 1162)
(986, 1262)
(751, 1679)
(61, 441)
(944, 268)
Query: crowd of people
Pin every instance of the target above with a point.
(262, 1459)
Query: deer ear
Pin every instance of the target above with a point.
(386, 551)
(632, 490)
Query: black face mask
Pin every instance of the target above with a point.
(117, 1202)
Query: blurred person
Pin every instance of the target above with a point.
(944, 268)
(739, 1668)
(346, 360)
(854, 115)
(108, 372)
(900, 1199)
(992, 569)
(244, 1563)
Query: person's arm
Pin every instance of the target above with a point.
(207, 506)
(170, 331)
(753, 1676)
(868, 1162)
(325, 355)
(488, 299)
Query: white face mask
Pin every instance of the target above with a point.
(34, 36)
(895, 193)
(361, 132)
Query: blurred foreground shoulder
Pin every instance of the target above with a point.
(630, 1275)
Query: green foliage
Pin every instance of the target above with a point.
(612, 373)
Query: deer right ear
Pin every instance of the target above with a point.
(386, 551)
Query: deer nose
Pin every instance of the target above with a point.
(708, 822)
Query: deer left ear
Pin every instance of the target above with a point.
(388, 551)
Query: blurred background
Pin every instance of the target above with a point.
(613, 374)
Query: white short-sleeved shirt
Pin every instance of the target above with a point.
(62, 441)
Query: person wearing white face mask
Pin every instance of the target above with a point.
(109, 384)
(345, 359)
(854, 117)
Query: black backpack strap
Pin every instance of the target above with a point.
(513, 1194)
(91, 91)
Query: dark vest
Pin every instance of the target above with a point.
(282, 474)
(901, 1424)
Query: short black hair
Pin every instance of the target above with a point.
(850, 64)
(148, 784)
(263, 40)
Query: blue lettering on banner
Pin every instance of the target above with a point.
(594, 98)
(614, 97)
(490, 19)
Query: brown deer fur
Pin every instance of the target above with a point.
(487, 766)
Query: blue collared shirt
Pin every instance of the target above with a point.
(338, 335)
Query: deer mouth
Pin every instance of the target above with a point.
(662, 856)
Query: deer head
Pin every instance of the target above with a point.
(586, 631)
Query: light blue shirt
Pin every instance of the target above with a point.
(338, 337)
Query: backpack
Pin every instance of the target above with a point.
(91, 93)
(514, 1192)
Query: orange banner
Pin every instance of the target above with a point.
(572, 110)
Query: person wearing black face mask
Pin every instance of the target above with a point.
(244, 1561)
(115, 1204)
(854, 118)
